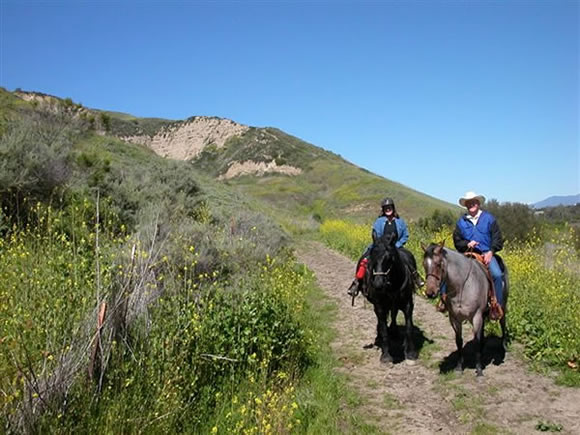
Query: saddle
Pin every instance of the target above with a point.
(495, 309)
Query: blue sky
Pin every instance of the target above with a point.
(442, 96)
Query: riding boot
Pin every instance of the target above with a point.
(355, 287)
(418, 279)
(442, 305)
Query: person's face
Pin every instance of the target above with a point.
(388, 210)
(472, 206)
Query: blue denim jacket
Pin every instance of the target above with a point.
(402, 232)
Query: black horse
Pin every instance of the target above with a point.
(389, 286)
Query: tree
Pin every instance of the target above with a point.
(516, 220)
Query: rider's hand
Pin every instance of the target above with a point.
(487, 257)
(472, 244)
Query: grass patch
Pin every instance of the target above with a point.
(427, 351)
(390, 401)
(485, 429)
(548, 426)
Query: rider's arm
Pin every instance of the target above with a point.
(404, 236)
(496, 237)
(458, 240)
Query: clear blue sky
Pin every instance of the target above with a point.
(442, 96)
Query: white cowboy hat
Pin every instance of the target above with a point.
(471, 195)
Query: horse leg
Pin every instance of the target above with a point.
(503, 321)
(504, 332)
(456, 325)
(382, 332)
(393, 332)
(478, 336)
(410, 351)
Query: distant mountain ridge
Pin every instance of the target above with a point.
(554, 201)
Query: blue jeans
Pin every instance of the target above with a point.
(496, 275)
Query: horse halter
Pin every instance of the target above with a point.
(382, 273)
(439, 277)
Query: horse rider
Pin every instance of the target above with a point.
(478, 231)
(388, 222)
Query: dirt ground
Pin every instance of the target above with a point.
(427, 396)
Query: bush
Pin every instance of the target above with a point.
(516, 220)
(34, 161)
(439, 219)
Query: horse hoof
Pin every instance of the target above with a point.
(369, 346)
(386, 358)
(479, 373)
(410, 362)
(411, 356)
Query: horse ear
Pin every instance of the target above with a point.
(442, 243)
(423, 247)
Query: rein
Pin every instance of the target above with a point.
(464, 281)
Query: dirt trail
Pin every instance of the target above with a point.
(422, 398)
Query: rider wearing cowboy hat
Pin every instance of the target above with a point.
(478, 231)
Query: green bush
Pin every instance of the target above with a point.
(516, 220)
(34, 162)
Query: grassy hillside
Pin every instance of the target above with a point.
(328, 186)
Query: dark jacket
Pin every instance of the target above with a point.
(486, 232)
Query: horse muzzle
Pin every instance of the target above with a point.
(431, 289)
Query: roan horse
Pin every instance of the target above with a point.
(389, 286)
(467, 294)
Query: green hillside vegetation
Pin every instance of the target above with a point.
(205, 320)
(122, 124)
(328, 187)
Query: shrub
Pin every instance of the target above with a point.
(439, 219)
(34, 162)
(105, 121)
(516, 220)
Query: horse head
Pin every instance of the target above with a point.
(434, 264)
(382, 258)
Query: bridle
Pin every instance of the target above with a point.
(439, 277)
(382, 273)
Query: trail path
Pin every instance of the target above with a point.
(420, 398)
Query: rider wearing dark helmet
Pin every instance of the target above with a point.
(388, 221)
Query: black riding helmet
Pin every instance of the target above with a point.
(386, 202)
